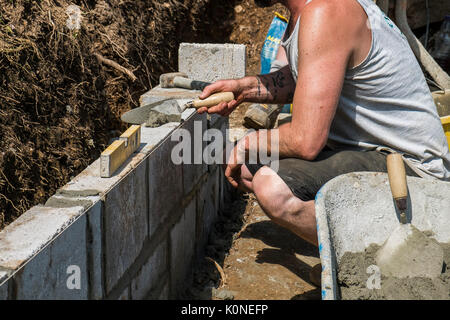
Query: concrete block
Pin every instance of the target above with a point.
(150, 272)
(206, 214)
(125, 223)
(165, 185)
(211, 62)
(152, 137)
(29, 233)
(227, 192)
(182, 239)
(216, 187)
(164, 295)
(95, 252)
(192, 171)
(125, 295)
(89, 182)
(59, 271)
(4, 285)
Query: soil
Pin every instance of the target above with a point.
(352, 279)
(258, 259)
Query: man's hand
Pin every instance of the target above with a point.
(276, 87)
(224, 108)
(236, 160)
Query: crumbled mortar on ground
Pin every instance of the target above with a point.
(352, 280)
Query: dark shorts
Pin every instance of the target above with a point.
(305, 178)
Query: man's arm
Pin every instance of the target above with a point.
(275, 87)
(326, 42)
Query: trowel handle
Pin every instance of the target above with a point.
(213, 100)
(397, 175)
(397, 181)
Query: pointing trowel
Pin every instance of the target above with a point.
(170, 110)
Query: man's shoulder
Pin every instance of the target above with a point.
(343, 18)
(331, 10)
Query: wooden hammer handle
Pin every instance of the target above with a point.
(213, 100)
(182, 82)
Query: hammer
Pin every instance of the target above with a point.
(180, 80)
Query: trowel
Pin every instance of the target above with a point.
(170, 110)
(407, 252)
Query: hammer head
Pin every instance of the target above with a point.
(166, 79)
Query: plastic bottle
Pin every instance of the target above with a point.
(272, 42)
(441, 52)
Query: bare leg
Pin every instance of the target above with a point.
(280, 204)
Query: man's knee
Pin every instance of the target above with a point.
(274, 196)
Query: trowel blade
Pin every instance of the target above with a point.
(139, 115)
(158, 112)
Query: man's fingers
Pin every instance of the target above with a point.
(231, 173)
(202, 110)
(209, 90)
(220, 108)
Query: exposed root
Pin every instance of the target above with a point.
(116, 66)
(219, 268)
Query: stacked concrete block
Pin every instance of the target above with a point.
(95, 250)
(68, 278)
(182, 241)
(4, 285)
(196, 167)
(151, 272)
(125, 223)
(165, 185)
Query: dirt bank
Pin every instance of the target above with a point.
(352, 278)
(65, 83)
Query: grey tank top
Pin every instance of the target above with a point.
(385, 102)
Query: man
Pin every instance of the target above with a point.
(357, 92)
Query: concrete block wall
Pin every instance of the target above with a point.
(135, 235)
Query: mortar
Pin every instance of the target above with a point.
(356, 210)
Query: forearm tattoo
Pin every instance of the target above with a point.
(274, 88)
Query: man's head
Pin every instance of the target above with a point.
(265, 3)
